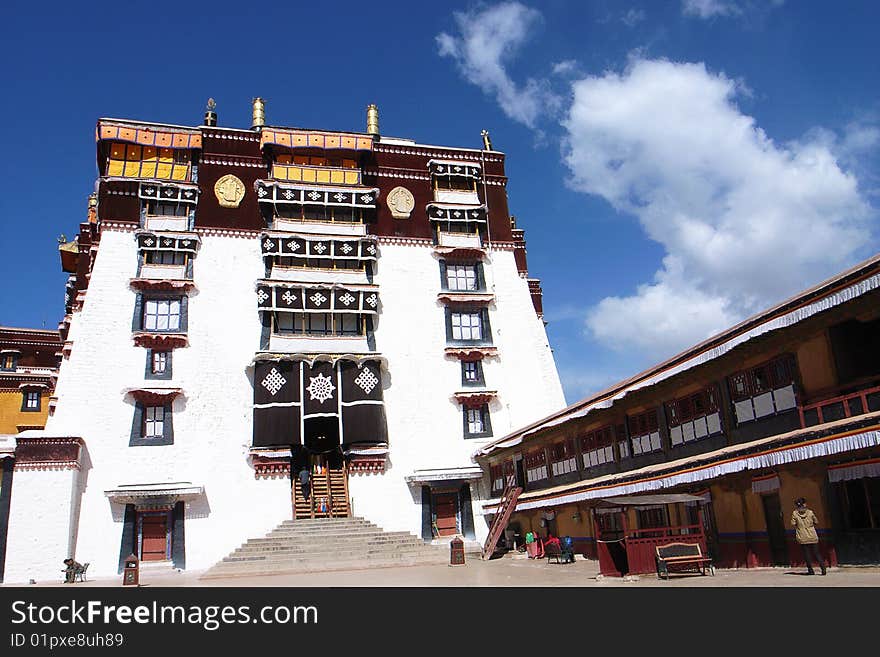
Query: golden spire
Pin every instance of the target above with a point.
(259, 113)
(373, 120)
(487, 143)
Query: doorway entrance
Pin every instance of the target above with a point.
(324, 492)
(154, 536)
(775, 529)
(445, 512)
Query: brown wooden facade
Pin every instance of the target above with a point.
(784, 405)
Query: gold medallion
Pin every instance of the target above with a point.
(229, 191)
(401, 202)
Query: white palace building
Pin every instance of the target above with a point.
(244, 304)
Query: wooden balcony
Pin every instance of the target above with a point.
(840, 407)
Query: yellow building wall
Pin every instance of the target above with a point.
(11, 414)
(800, 483)
(816, 364)
(727, 505)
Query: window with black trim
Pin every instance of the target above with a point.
(694, 417)
(476, 422)
(468, 326)
(764, 390)
(456, 183)
(461, 277)
(158, 364)
(160, 313)
(8, 361)
(30, 400)
(472, 373)
(536, 465)
(319, 324)
(644, 432)
(167, 209)
(562, 457)
(322, 213)
(165, 258)
(597, 447)
(151, 425)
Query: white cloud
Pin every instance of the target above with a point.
(565, 67)
(744, 221)
(487, 39)
(709, 8)
(633, 17)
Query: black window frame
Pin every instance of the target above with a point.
(137, 438)
(8, 357)
(137, 322)
(24, 400)
(148, 371)
(479, 274)
(485, 326)
(480, 379)
(484, 417)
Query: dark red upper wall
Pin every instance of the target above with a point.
(237, 152)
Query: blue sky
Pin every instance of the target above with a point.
(676, 165)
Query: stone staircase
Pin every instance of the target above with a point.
(307, 545)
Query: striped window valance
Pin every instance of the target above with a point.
(360, 197)
(454, 168)
(154, 242)
(169, 192)
(459, 213)
(854, 470)
(319, 247)
(277, 297)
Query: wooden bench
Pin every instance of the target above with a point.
(682, 557)
(561, 553)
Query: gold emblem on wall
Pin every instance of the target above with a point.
(229, 191)
(401, 202)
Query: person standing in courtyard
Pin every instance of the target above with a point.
(804, 522)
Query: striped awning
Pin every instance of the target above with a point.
(313, 298)
(318, 246)
(159, 136)
(354, 197)
(167, 242)
(170, 192)
(456, 213)
(854, 470)
(315, 139)
(454, 168)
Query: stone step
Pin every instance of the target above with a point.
(310, 568)
(316, 558)
(310, 545)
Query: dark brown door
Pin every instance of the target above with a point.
(154, 530)
(775, 529)
(445, 508)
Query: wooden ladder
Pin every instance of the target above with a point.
(331, 486)
(338, 498)
(505, 510)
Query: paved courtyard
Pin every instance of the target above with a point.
(507, 571)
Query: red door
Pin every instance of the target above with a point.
(154, 533)
(446, 507)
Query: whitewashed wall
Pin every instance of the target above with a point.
(213, 419)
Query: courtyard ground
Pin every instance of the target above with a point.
(504, 572)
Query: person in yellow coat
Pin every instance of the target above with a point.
(804, 522)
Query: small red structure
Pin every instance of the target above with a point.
(624, 551)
